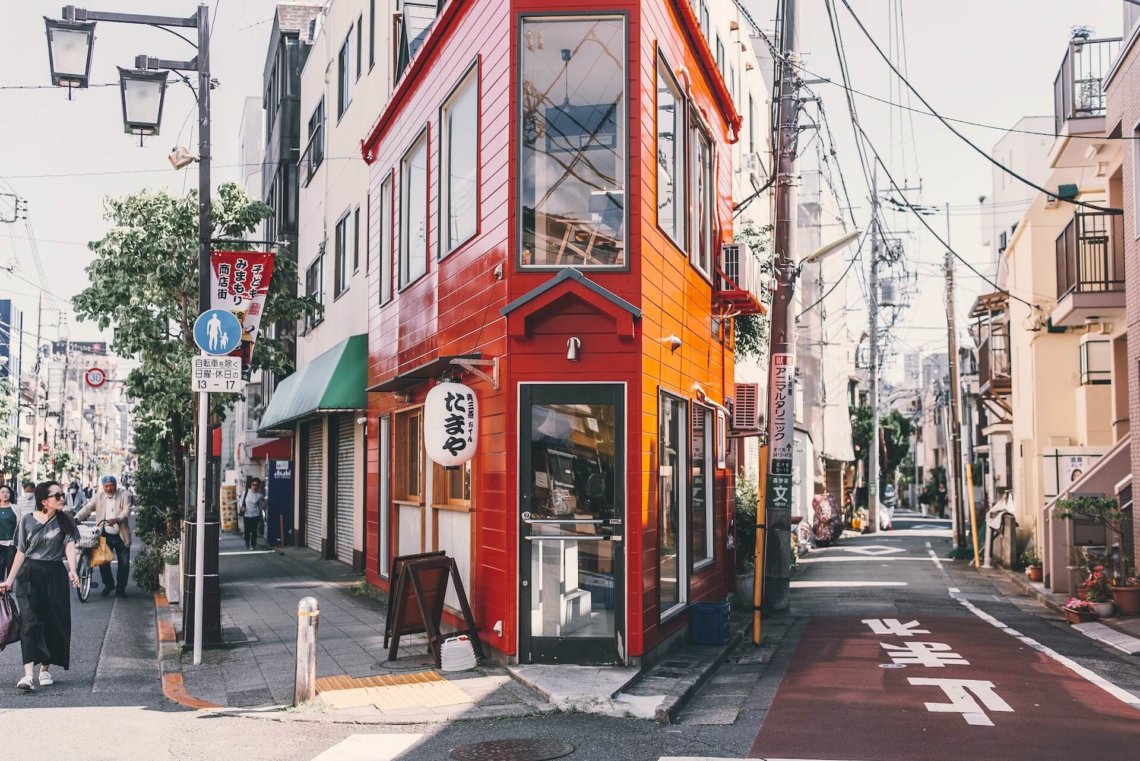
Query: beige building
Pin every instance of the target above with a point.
(1063, 321)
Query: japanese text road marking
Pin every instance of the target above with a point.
(958, 690)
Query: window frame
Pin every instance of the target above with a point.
(385, 259)
(683, 168)
(627, 143)
(344, 78)
(355, 241)
(401, 493)
(317, 263)
(708, 415)
(443, 200)
(697, 131)
(371, 34)
(341, 243)
(681, 482)
(404, 250)
(1135, 146)
(384, 495)
(359, 46)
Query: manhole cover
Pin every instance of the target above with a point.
(514, 749)
(406, 663)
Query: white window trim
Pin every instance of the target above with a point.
(470, 78)
(683, 578)
(404, 248)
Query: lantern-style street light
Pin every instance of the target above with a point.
(69, 52)
(70, 44)
(142, 93)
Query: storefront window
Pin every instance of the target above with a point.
(670, 155)
(409, 457)
(671, 472)
(701, 484)
(573, 132)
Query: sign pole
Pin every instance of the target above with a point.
(200, 529)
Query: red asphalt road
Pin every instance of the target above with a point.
(835, 702)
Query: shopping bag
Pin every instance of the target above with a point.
(102, 554)
(9, 621)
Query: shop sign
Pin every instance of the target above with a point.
(239, 285)
(451, 424)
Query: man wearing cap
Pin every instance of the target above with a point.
(113, 505)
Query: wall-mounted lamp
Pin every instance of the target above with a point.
(362, 420)
(402, 396)
(672, 342)
(573, 345)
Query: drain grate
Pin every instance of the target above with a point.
(514, 749)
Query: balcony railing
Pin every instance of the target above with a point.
(993, 362)
(313, 155)
(1077, 91)
(1090, 254)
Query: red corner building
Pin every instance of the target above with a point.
(551, 200)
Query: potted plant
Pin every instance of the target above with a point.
(745, 539)
(171, 578)
(1098, 592)
(1078, 611)
(1126, 590)
(1032, 562)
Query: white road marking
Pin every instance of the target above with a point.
(836, 559)
(894, 627)
(954, 590)
(371, 747)
(1119, 693)
(933, 655)
(873, 550)
(958, 690)
(823, 584)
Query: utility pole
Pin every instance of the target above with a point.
(954, 460)
(781, 417)
(873, 361)
(36, 391)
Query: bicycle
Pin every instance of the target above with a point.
(88, 540)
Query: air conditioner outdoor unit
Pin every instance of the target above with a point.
(733, 260)
(746, 410)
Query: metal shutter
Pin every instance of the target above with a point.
(345, 486)
(315, 485)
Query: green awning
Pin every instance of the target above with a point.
(333, 382)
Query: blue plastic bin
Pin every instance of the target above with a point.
(709, 623)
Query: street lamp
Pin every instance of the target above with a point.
(142, 93)
(69, 52)
(70, 43)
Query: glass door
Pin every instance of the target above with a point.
(572, 521)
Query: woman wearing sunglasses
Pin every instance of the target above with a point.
(44, 539)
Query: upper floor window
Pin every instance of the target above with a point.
(344, 77)
(459, 170)
(414, 220)
(670, 155)
(384, 239)
(342, 243)
(315, 287)
(701, 200)
(573, 133)
(315, 148)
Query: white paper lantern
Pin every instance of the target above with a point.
(451, 424)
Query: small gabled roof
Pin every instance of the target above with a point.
(570, 281)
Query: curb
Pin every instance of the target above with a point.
(169, 660)
(674, 703)
(1032, 590)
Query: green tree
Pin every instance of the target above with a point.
(895, 431)
(56, 465)
(144, 285)
(751, 330)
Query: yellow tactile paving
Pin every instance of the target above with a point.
(423, 690)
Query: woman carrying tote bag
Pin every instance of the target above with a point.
(44, 538)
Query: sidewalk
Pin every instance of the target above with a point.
(252, 673)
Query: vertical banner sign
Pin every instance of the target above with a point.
(781, 449)
(451, 424)
(240, 284)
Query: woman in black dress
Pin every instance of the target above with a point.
(44, 538)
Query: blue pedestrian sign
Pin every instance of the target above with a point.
(217, 332)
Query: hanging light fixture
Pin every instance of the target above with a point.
(142, 92)
(70, 44)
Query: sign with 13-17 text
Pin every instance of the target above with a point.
(216, 375)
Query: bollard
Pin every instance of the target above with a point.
(308, 618)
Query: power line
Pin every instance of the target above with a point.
(966, 140)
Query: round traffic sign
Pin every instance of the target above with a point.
(95, 377)
(217, 332)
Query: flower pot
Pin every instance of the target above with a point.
(172, 582)
(1104, 609)
(1033, 572)
(1079, 616)
(1127, 600)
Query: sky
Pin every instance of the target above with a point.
(991, 61)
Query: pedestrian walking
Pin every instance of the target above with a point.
(113, 505)
(75, 499)
(252, 510)
(8, 520)
(44, 538)
(27, 501)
